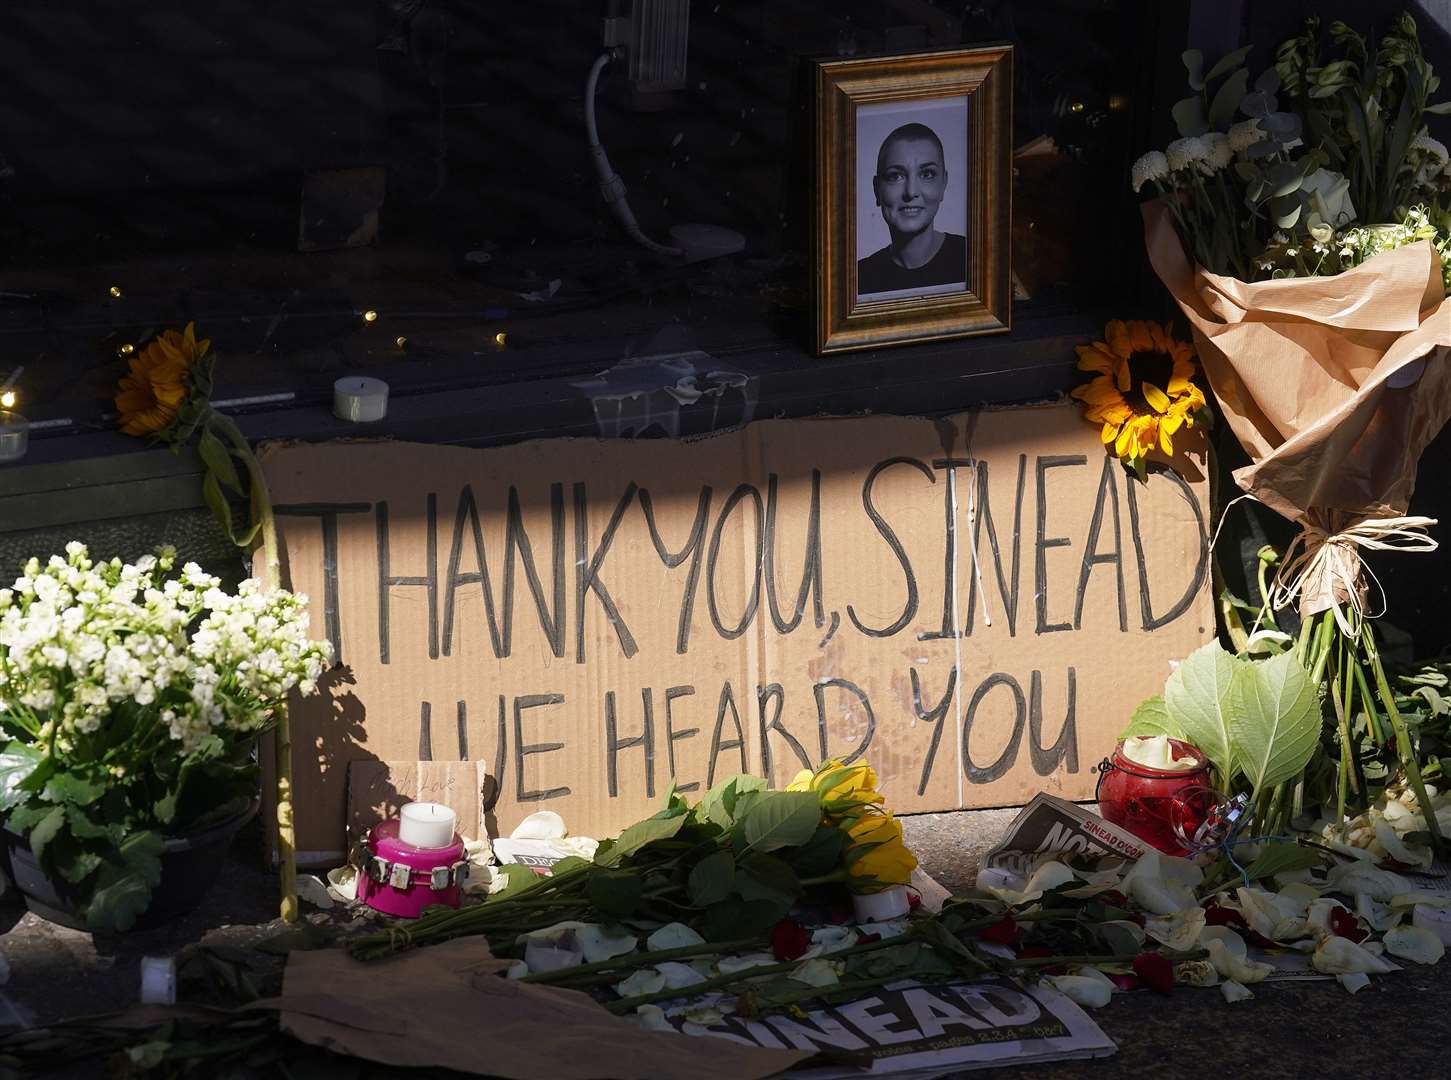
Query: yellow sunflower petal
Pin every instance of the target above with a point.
(1141, 336)
(1166, 443)
(1116, 333)
(1122, 441)
(1110, 432)
(1157, 399)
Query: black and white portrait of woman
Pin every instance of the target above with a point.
(912, 199)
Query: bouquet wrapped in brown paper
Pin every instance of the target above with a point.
(1334, 386)
(1334, 372)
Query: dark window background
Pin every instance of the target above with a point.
(164, 148)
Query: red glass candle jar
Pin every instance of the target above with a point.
(1150, 802)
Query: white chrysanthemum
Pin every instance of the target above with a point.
(1244, 135)
(1430, 147)
(1181, 153)
(1220, 154)
(1152, 166)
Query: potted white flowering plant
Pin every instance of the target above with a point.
(131, 699)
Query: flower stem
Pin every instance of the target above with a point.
(271, 578)
(1403, 737)
(629, 1004)
(634, 959)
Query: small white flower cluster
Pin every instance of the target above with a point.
(78, 640)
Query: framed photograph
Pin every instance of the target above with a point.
(913, 183)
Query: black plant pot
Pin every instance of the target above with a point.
(189, 868)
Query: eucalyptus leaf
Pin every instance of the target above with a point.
(1194, 65)
(1274, 719)
(1227, 63)
(711, 879)
(1197, 697)
(1152, 718)
(1227, 98)
(1189, 116)
(781, 819)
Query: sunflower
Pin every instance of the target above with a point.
(159, 382)
(1142, 390)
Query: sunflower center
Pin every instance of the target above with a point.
(1149, 366)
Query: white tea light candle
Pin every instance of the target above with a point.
(14, 435)
(426, 825)
(359, 399)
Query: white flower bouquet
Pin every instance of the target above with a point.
(130, 705)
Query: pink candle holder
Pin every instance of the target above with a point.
(400, 879)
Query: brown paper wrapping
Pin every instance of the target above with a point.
(449, 1007)
(1333, 385)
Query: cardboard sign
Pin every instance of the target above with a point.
(377, 790)
(975, 604)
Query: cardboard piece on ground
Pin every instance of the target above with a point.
(377, 790)
(424, 1008)
(976, 604)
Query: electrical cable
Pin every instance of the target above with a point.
(612, 188)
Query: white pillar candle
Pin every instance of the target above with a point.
(158, 980)
(426, 825)
(14, 435)
(890, 903)
(360, 399)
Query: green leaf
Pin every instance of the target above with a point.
(1227, 98)
(44, 831)
(17, 762)
(719, 803)
(517, 878)
(731, 919)
(1189, 116)
(1227, 63)
(70, 788)
(218, 460)
(1194, 65)
(1280, 857)
(781, 819)
(79, 865)
(1274, 719)
(123, 891)
(615, 892)
(822, 853)
(1441, 108)
(1152, 718)
(1197, 699)
(765, 877)
(638, 836)
(711, 878)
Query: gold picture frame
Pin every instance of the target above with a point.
(963, 97)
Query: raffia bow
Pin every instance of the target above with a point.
(1324, 571)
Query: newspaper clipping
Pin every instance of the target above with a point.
(925, 1031)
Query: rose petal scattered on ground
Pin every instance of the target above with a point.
(1414, 943)
(1354, 982)
(1234, 991)
(1089, 993)
(673, 936)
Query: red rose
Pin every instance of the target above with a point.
(1346, 925)
(790, 940)
(1002, 932)
(1155, 971)
(1215, 915)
